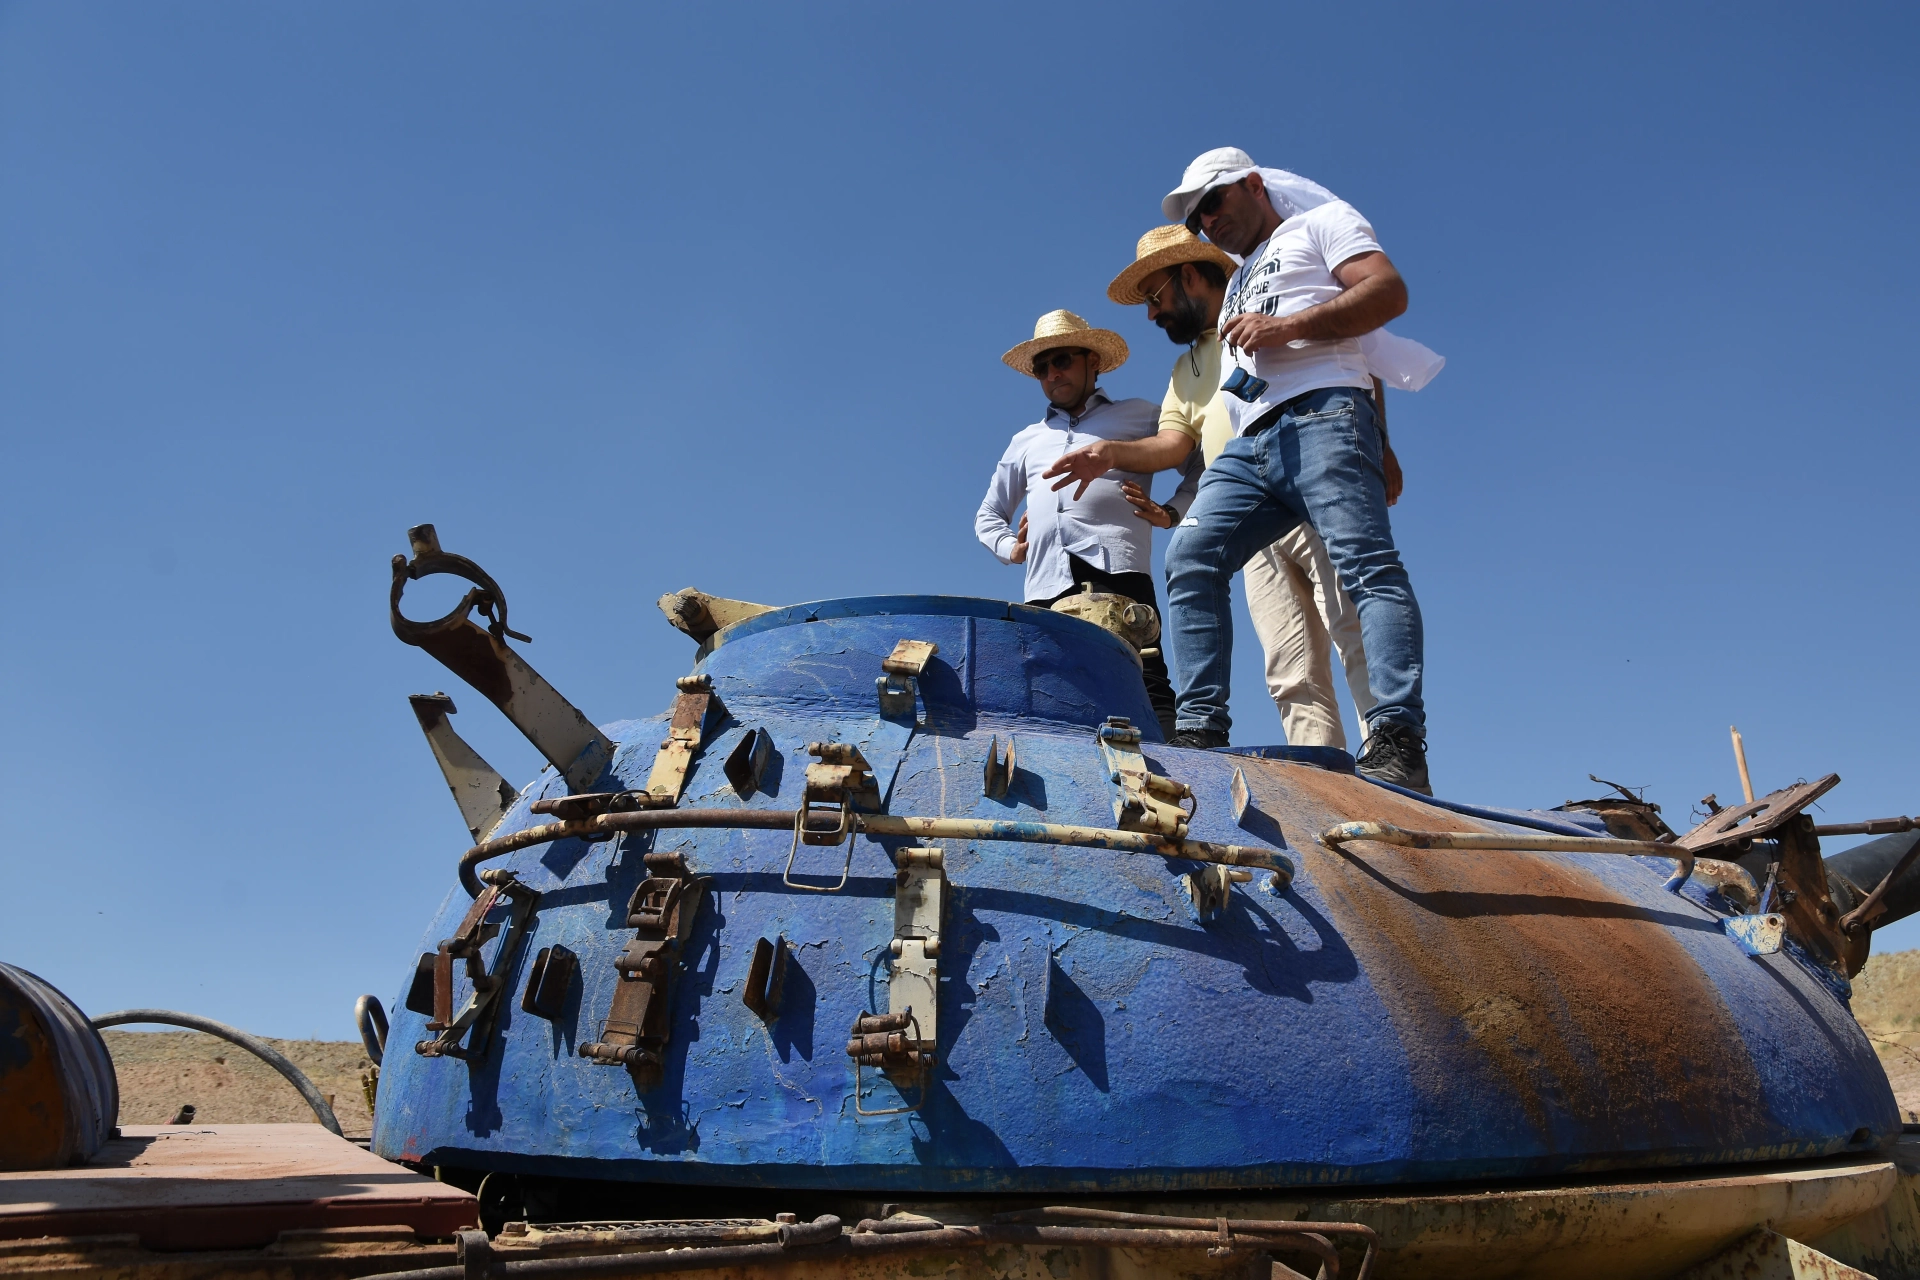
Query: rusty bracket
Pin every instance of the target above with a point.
(1145, 801)
(999, 771)
(747, 762)
(662, 912)
(1797, 885)
(482, 657)
(480, 1011)
(899, 686)
(767, 978)
(548, 982)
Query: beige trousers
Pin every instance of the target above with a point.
(1299, 609)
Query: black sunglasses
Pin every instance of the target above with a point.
(1060, 359)
(1208, 206)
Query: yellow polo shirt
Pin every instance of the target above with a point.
(1193, 405)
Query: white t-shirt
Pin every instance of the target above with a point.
(1292, 271)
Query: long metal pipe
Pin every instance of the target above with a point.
(232, 1035)
(875, 824)
(1261, 1235)
(1386, 833)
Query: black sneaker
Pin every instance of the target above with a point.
(1199, 739)
(1396, 753)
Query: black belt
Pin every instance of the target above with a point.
(1272, 415)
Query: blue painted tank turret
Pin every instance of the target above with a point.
(904, 894)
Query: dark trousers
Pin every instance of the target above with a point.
(1137, 587)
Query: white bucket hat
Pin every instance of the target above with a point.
(1290, 193)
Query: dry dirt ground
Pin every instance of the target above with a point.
(1886, 999)
(160, 1070)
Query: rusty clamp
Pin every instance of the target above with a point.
(899, 686)
(432, 991)
(482, 657)
(662, 913)
(1145, 801)
(881, 1040)
(841, 780)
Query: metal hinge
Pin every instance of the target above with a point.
(899, 685)
(913, 992)
(1144, 801)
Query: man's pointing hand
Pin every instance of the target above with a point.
(1085, 465)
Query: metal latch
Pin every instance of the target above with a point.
(662, 912)
(433, 981)
(1145, 801)
(840, 782)
(899, 686)
(913, 993)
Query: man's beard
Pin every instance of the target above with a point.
(1182, 318)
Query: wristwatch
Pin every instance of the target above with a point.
(1173, 514)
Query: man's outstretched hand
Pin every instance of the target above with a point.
(1146, 508)
(1020, 543)
(1085, 465)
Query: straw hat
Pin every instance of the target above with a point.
(1065, 329)
(1165, 247)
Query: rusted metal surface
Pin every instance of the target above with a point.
(480, 1012)
(483, 659)
(1525, 968)
(225, 1187)
(747, 762)
(1768, 1255)
(766, 978)
(662, 912)
(700, 615)
(1856, 920)
(549, 981)
(59, 1096)
(482, 795)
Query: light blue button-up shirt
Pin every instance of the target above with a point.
(1101, 527)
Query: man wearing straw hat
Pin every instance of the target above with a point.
(1306, 446)
(1089, 536)
(1293, 595)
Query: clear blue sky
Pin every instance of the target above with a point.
(632, 298)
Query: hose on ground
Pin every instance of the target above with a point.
(232, 1035)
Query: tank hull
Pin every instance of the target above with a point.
(1393, 1016)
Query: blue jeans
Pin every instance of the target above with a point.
(1320, 463)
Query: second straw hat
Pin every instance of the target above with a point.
(1065, 329)
(1165, 247)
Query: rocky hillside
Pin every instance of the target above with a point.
(1886, 999)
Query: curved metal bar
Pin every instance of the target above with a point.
(232, 1035)
(1387, 833)
(371, 1019)
(878, 824)
(1307, 1236)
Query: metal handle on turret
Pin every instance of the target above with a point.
(482, 658)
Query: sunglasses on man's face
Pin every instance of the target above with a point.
(1059, 361)
(1208, 206)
